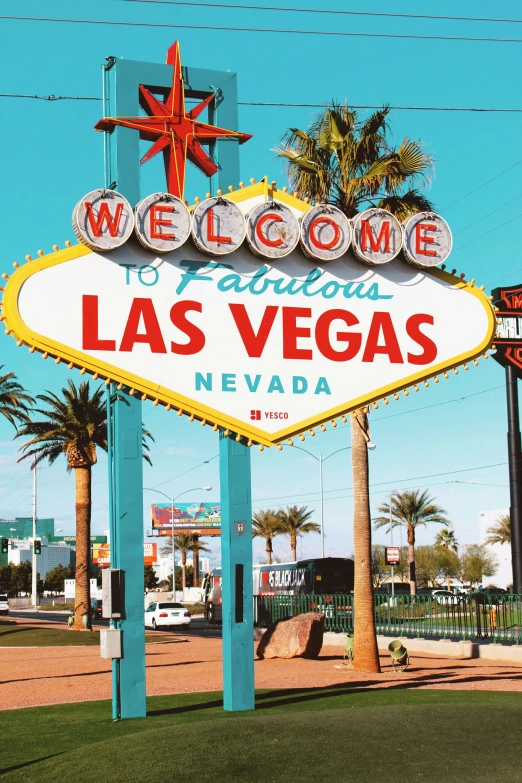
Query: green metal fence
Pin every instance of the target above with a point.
(496, 617)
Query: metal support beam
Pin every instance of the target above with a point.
(236, 574)
(515, 476)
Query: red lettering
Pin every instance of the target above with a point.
(254, 343)
(382, 321)
(104, 215)
(211, 237)
(422, 239)
(322, 336)
(143, 308)
(262, 237)
(90, 339)
(196, 337)
(291, 332)
(316, 241)
(368, 236)
(156, 222)
(429, 353)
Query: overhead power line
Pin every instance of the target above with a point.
(270, 30)
(484, 109)
(288, 9)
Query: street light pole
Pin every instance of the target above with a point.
(34, 580)
(320, 460)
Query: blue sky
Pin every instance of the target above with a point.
(51, 156)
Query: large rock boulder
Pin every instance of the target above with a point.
(296, 637)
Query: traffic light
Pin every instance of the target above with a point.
(5, 546)
(38, 547)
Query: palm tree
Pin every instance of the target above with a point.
(14, 400)
(411, 509)
(74, 425)
(446, 541)
(294, 522)
(266, 524)
(185, 542)
(197, 547)
(351, 163)
(500, 532)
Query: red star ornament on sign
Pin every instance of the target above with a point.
(176, 133)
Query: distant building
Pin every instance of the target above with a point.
(52, 555)
(504, 574)
(204, 565)
(21, 528)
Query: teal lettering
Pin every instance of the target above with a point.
(228, 382)
(322, 386)
(275, 385)
(142, 269)
(202, 382)
(299, 384)
(128, 267)
(373, 293)
(232, 283)
(252, 387)
(192, 272)
(330, 289)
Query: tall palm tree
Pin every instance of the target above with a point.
(74, 425)
(15, 402)
(266, 524)
(196, 547)
(350, 162)
(294, 522)
(447, 541)
(500, 532)
(185, 543)
(411, 509)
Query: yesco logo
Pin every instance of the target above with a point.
(104, 220)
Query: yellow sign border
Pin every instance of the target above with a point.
(158, 394)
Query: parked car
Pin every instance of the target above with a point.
(4, 604)
(164, 614)
(489, 595)
(446, 597)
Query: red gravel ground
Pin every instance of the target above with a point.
(52, 675)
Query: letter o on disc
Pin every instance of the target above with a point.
(103, 220)
(377, 236)
(272, 230)
(162, 222)
(427, 239)
(326, 232)
(218, 226)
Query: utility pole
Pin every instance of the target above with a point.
(173, 551)
(321, 502)
(391, 544)
(515, 476)
(34, 574)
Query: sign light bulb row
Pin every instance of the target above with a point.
(104, 220)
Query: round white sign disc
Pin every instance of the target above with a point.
(326, 232)
(272, 230)
(427, 239)
(218, 226)
(103, 220)
(162, 222)
(377, 236)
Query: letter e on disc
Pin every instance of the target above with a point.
(162, 222)
(103, 220)
(427, 239)
(326, 232)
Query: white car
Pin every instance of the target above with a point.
(164, 614)
(4, 604)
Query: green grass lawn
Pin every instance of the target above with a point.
(18, 635)
(56, 607)
(338, 734)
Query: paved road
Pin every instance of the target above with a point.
(199, 626)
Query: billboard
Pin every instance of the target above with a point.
(202, 519)
(264, 322)
(101, 554)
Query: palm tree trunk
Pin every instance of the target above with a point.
(293, 546)
(82, 597)
(366, 653)
(268, 550)
(411, 548)
(183, 571)
(448, 582)
(195, 564)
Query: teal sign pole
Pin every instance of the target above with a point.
(122, 172)
(236, 574)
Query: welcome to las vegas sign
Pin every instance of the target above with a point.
(256, 312)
